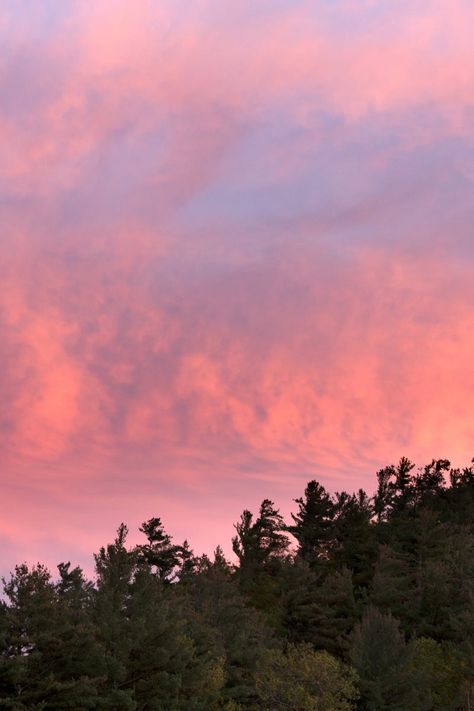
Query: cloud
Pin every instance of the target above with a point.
(235, 254)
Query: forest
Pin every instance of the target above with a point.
(357, 602)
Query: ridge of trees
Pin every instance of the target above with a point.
(372, 609)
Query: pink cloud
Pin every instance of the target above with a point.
(152, 64)
(219, 360)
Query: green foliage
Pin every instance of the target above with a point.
(301, 679)
(386, 584)
(159, 554)
(380, 656)
(152, 659)
(313, 525)
(257, 544)
(222, 621)
(261, 547)
(438, 674)
(50, 655)
(319, 610)
(355, 545)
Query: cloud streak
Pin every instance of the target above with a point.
(236, 253)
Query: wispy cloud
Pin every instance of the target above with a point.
(236, 252)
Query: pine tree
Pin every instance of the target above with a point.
(257, 544)
(383, 662)
(164, 629)
(430, 482)
(236, 632)
(385, 494)
(160, 555)
(313, 525)
(163, 668)
(51, 656)
(115, 570)
(396, 490)
(261, 547)
(355, 545)
(395, 586)
(404, 485)
(320, 610)
(189, 563)
(151, 657)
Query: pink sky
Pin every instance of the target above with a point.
(236, 253)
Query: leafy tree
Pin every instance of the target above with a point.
(438, 674)
(301, 679)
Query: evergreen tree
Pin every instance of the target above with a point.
(404, 485)
(164, 671)
(237, 633)
(319, 610)
(313, 525)
(159, 553)
(355, 546)
(115, 570)
(385, 494)
(261, 547)
(257, 544)
(430, 482)
(395, 586)
(152, 660)
(50, 656)
(383, 662)
(396, 490)
(189, 563)
(162, 628)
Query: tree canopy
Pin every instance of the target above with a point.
(357, 603)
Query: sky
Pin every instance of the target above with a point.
(236, 254)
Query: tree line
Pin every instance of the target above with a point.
(370, 609)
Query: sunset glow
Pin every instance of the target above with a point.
(236, 253)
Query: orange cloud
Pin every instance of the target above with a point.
(235, 254)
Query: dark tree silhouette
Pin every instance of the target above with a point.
(372, 610)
